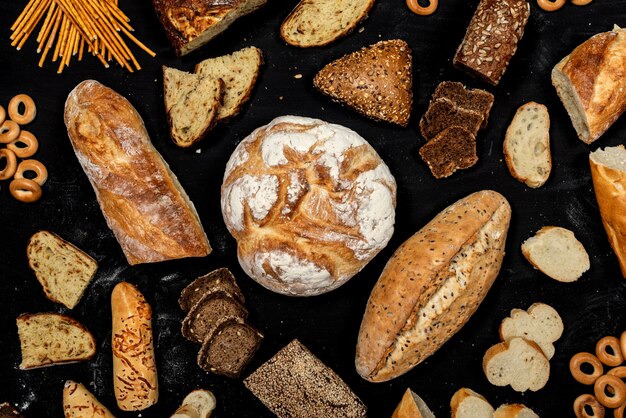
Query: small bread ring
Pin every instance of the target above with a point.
(28, 139)
(25, 190)
(581, 2)
(622, 342)
(588, 400)
(3, 115)
(578, 360)
(35, 166)
(619, 371)
(9, 131)
(11, 166)
(619, 412)
(610, 391)
(416, 8)
(30, 110)
(604, 356)
(549, 5)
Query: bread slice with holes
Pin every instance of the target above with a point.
(557, 253)
(47, 339)
(527, 145)
(514, 411)
(191, 103)
(63, 270)
(541, 324)
(517, 362)
(466, 403)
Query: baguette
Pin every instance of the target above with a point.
(466, 403)
(134, 368)
(432, 285)
(412, 406)
(198, 404)
(514, 411)
(78, 402)
(141, 199)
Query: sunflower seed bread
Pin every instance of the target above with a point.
(215, 281)
(63, 270)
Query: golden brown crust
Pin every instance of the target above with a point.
(78, 402)
(141, 199)
(408, 407)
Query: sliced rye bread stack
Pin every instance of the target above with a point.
(216, 319)
(454, 117)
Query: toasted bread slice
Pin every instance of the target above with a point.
(78, 402)
(47, 339)
(514, 411)
(199, 403)
(220, 280)
(541, 324)
(63, 270)
(191, 102)
(453, 149)
(466, 403)
(412, 406)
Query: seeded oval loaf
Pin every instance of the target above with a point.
(432, 285)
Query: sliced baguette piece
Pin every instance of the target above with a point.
(320, 22)
(63, 270)
(527, 145)
(608, 172)
(412, 406)
(466, 403)
(514, 411)
(517, 362)
(79, 402)
(442, 114)
(199, 403)
(557, 253)
(47, 339)
(451, 150)
(239, 72)
(8, 411)
(191, 102)
(541, 324)
(220, 280)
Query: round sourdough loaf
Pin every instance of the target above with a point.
(310, 204)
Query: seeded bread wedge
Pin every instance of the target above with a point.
(466, 403)
(478, 100)
(514, 411)
(412, 406)
(527, 145)
(63, 270)
(442, 114)
(376, 81)
(204, 316)
(557, 253)
(78, 402)
(320, 22)
(8, 411)
(47, 339)
(541, 324)
(220, 280)
(191, 102)
(451, 150)
(239, 72)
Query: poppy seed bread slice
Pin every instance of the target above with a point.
(442, 114)
(477, 100)
(205, 315)
(451, 150)
(217, 280)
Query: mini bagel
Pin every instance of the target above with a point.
(3, 115)
(11, 166)
(610, 391)
(622, 342)
(588, 400)
(416, 8)
(25, 190)
(30, 110)
(581, 377)
(35, 166)
(9, 131)
(28, 139)
(549, 5)
(606, 357)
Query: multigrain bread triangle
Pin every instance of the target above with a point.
(376, 81)
(466, 403)
(514, 411)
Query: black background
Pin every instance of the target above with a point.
(328, 324)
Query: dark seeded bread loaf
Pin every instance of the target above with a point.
(478, 100)
(204, 316)
(217, 280)
(451, 150)
(442, 114)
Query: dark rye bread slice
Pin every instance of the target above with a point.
(451, 150)
(206, 314)
(7, 411)
(442, 114)
(217, 280)
(295, 383)
(229, 348)
(477, 100)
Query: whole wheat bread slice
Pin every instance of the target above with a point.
(442, 114)
(466, 403)
(63, 270)
(478, 100)
(451, 150)
(220, 280)
(205, 315)
(514, 411)
(541, 324)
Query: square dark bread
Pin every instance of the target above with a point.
(442, 114)
(7, 411)
(451, 150)
(295, 383)
(217, 280)
(477, 100)
(204, 316)
(229, 348)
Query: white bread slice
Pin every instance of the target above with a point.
(239, 72)
(412, 406)
(541, 324)
(527, 145)
(320, 22)
(466, 403)
(47, 339)
(557, 253)
(63, 270)
(514, 411)
(191, 103)
(198, 404)
(78, 402)
(517, 362)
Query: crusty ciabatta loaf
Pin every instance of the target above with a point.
(412, 406)
(199, 403)
(191, 103)
(557, 253)
(608, 172)
(432, 285)
(517, 362)
(466, 403)
(376, 81)
(239, 72)
(47, 339)
(63, 270)
(320, 22)
(590, 82)
(189, 24)
(78, 402)
(541, 324)
(514, 411)
(527, 145)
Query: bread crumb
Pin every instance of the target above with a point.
(297, 76)
(198, 151)
(361, 29)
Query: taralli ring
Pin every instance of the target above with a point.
(35, 166)
(9, 170)
(25, 190)
(609, 352)
(9, 131)
(30, 110)
(3, 115)
(622, 342)
(619, 412)
(549, 5)
(31, 145)
(416, 8)
(582, 402)
(581, 377)
(610, 391)
(581, 2)
(618, 371)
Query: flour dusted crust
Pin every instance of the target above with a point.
(310, 204)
